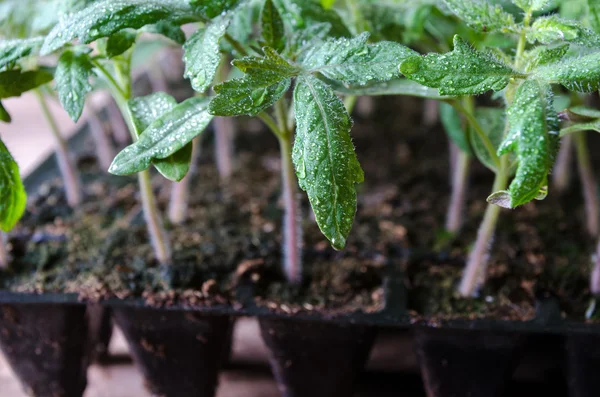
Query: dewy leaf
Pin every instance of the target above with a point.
(481, 15)
(165, 136)
(531, 5)
(267, 79)
(580, 74)
(463, 71)
(106, 17)
(324, 157)
(120, 42)
(533, 137)
(303, 40)
(273, 31)
(144, 110)
(12, 193)
(454, 127)
(492, 121)
(201, 53)
(400, 86)
(554, 29)
(301, 14)
(15, 82)
(72, 81)
(542, 55)
(353, 61)
(13, 50)
(212, 8)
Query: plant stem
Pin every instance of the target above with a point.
(224, 128)
(595, 275)
(104, 150)
(365, 106)
(561, 175)
(119, 128)
(70, 175)
(430, 112)
(588, 183)
(454, 218)
(292, 230)
(475, 269)
(158, 236)
(180, 192)
(4, 258)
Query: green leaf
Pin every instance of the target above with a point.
(481, 15)
(353, 61)
(580, 74)
(213, 8)
(267, 79)
(4, 115)
(327, 4)
(303, 40)
(72, 81)
(144, 110)
(15, 82)
(554, 29)
(585, 112)
(542, 55)
(201, 53)
(531, 5)
(169, 30)
(164, 137)
(120, 42)
(400, 86)
(273, 31)
(301, 14)
(463, 71)
(324, 157)
(533, 137)
(579, 127)
(13, 198)
(492, 120)
(104, 18)
(454, 126)
(13, 50)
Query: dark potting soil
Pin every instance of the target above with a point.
(232, 236)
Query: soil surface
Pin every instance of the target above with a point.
(232, 236)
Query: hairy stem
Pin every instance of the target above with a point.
(158, 235)
(224, 128)
(4, 257)
(119, 129)
(588, 183)
(69, 173)
(475, 269)
(180, 192)
(561, 174)
(595, 275)
(454, 217)
(104, 150)
(292, 230)
(430, 112)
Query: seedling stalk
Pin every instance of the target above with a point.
(4, 258)
(180, 192)
(104, 150)
(588, 183)
(158, 236)
(561, 175)
(454, 218)
(68, 171)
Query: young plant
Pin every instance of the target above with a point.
(322, 158)
(548, 51)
